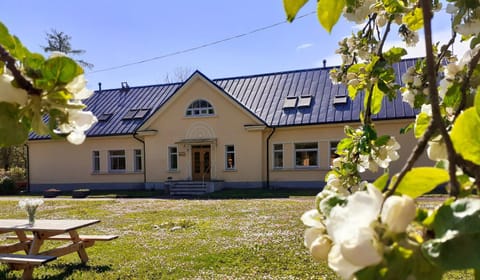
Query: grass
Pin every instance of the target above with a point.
(186, 239)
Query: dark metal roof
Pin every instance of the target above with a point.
(262, 95)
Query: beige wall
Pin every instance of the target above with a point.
(57, 162)
(325, 134)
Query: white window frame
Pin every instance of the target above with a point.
(137, 160)
(307, 150)
(112, 157)
(233, 156)
(170, 154)
(201, 111)
(276, 151)
(96, 161)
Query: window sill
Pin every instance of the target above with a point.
(117, 173)
(230, 170)
(173, 171)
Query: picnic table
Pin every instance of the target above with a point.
(39, 232)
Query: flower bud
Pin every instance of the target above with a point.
(398, 212)
(320, 248)
(437, 150)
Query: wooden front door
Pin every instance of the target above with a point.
(201, 163)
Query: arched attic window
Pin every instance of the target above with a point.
(200, 107)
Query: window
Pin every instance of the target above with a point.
(200, 108)
(117, 160)
(172, 158)
(333, 151)
(340, 99)
(290, 102)
(230, 157)
(305, 101)
(306, 154)
(277, 155)
(137, 160)
(96, 161)
(104, 117)
(136, 114)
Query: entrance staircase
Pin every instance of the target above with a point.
(188, 188)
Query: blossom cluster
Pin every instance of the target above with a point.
(77, 121)
(349, 234)
(30, 205)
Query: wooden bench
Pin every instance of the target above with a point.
(25, 262)
(25, 259)
(83, 237)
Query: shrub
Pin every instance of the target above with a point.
(7, 186)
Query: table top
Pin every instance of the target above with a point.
(44, 225)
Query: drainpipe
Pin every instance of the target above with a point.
(268, 157)
(143, 158)
(27, 167)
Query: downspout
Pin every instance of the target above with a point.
(27, 166)
(268, 157)
(144, 161)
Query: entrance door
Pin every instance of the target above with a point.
(201, 163)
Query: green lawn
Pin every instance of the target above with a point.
(184, 239)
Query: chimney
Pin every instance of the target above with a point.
(125, 85)
(99, 87)
(324, 63)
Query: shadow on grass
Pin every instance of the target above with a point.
(66, 271)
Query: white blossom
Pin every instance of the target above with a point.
(78, 87)
(468, 28)
(387, 153)
(451, 9)
(11, 94)
(427, 109)
(437, 150)
(355, 244)
(408, 97)
(398, 212)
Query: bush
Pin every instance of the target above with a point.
(7, 186)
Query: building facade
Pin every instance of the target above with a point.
(276, 130)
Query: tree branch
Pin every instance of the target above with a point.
(434, 99)
(19, 78)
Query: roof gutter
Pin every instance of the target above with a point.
(143, 158)
(268, 157)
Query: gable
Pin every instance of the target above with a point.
(200, 88)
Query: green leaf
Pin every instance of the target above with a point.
(394, 54)
(61, 69)
(12, 130)
(292, 7)
(457, 230)
(377, 99)
(421, 124)
(453, 96)
(465, 137)
(421, 180)
(381, 182)
(6, 39)
(477, 102)
(328, 12)
(414, 19)
(407, 128)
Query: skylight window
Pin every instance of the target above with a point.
(290, 102)
(136, 114)
(305, 101)
(104, 117)
(340, 99)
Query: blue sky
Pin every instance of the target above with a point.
(115, 33)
